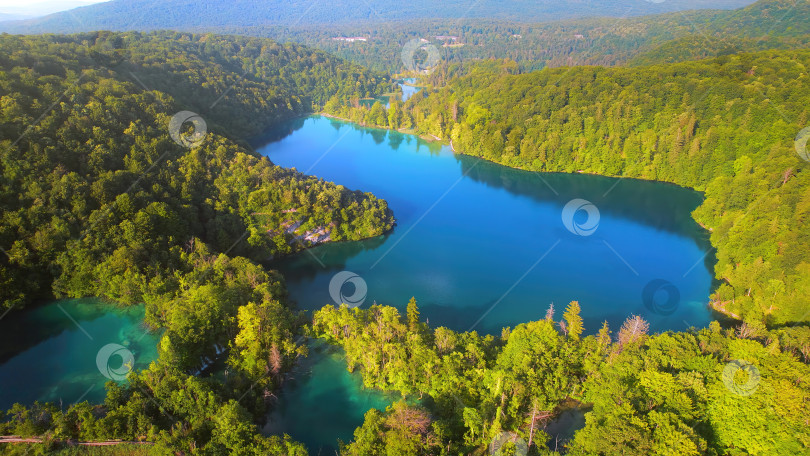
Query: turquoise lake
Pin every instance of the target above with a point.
(52, 352)
(482, 246)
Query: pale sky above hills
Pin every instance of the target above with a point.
(40, 7)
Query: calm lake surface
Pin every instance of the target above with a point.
(49, 353)
(482, 246)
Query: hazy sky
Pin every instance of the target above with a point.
(40, 7)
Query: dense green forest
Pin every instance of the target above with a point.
(99, 200)
(96, 189)
(725, 126)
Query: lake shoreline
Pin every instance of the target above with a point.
(406, 131)
(449, 142)
(710, 303)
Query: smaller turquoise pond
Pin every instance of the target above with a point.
(408, 90)
(322, 402)
(50, 352)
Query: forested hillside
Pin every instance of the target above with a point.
(103, 194)
(725, 126)
(96, 189)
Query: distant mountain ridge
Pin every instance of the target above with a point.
(192, 14)
(643, 40)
